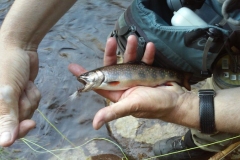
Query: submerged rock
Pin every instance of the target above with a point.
(105, 157)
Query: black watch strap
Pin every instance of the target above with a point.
(206, 111)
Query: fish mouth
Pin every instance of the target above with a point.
(86, 84)
(82, 81)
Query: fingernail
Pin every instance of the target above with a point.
(5, 137)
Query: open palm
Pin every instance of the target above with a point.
(140, 101)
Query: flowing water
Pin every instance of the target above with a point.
(78, 37)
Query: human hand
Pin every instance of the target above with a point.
(143, 102)
(19, 97)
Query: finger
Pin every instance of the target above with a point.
(8, 116)
(33, 95)
(76, 69)
(9, 130)
(131, 49)
(29, 101)
(149, 53)
(110, 56)
(107, 114)
(33, 65)
(111, 95)
(25, 126)
(24, 107)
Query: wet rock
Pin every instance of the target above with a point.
(105, 157)
(137, 136)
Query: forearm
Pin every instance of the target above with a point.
(28, 21)
(227, 109)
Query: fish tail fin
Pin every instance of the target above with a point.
(74, 95)
(186, 79)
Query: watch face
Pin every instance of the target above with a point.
(226, 73)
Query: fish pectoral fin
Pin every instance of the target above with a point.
(113, 83)
(168, 84)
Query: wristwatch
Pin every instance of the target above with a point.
(206, 111)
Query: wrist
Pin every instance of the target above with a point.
(188, 110)
(12, 39)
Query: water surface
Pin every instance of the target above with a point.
(78, 37)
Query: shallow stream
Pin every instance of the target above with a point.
(78, 37)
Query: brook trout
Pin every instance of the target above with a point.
(126, 75)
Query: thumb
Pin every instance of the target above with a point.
(120, 109)
(8, 116)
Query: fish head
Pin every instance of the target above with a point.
(90, 80)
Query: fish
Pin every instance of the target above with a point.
(126, 75)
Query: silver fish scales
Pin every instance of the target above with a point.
(127, 75)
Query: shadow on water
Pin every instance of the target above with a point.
(78, 37)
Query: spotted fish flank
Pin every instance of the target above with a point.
(124, 76)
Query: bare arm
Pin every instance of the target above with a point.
(29, 20)
(227, 109)
(24, 27)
